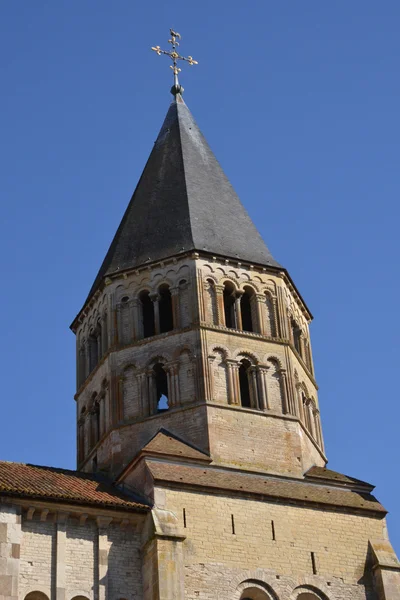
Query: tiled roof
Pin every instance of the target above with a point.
(167, 443)
(244, 483)
(320, 473)
(31, 481)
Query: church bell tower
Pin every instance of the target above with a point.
(191, 325)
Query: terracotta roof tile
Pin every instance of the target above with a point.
(18, 479)
(300, 491)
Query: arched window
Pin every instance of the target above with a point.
(105, 333)
(81, 364)
(244, 383)
(96, 423)
(307, 412)
(95, 420)
(147, 310)
(257, 593)
(296, 334)
(247, 309)
(229, 306)
(161, 385)
(309, 596)
(81, 435)
(36, 596)
(93, 351)
(165, 309)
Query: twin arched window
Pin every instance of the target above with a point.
(239, 308)
(156, 311)
(92, 349)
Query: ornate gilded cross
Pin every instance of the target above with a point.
(175, 56)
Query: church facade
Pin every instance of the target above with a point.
(201, 467)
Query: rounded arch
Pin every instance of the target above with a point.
(222, 349)
(270, 286)
(248, 355)
(226, 280)
(92, 400)
(80, 597)
(208, 278)
(182, 350)
(208, 268)
(36, 595)
(164, 282)
(254, 589)
(268, 292)
(127, 367)
(159, 358)
(309, 592)
(120, 291)
(144, 289)
(275, 359)
(250, 286)
(302, 386)
(221, 271)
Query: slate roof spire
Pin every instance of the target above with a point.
(183, 202)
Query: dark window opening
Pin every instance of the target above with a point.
(245, 308)
(296, 332)
(161, 381)
(229, 306)
(93, 351)
(244, 383)
(165, 308)
(147, 314)
(96, 422)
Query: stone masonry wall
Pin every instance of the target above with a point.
(231, 540)
(40, 562)
(37, 550)
(247, 439)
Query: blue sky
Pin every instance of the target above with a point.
(300, 103)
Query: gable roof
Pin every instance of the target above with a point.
(166, 443)
(32, 481)
(298, 491)
(183, 202)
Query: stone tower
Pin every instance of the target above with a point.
(192, 326)
(196, 392)
(201, 465)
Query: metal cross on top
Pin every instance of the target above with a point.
(175, 56)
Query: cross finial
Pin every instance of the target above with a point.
(175, 56)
